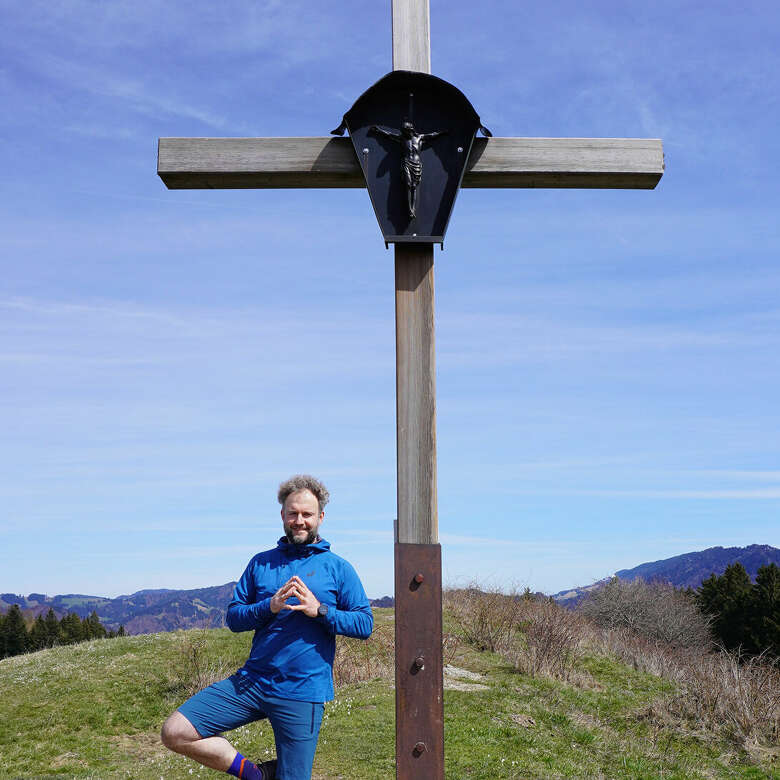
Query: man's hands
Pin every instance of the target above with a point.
(295, 587)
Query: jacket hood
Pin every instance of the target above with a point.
(302, 550)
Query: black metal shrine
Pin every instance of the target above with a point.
(412, 134)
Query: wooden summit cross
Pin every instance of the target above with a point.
(236, 163)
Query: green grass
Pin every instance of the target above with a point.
(80, 601)
(94, 711)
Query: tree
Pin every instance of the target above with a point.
(93, 628)
(53, 633)
(728, 599)
(765, 626)
(38, 634)
(15, 639)
(71, 629)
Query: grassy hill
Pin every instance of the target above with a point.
(94, 711)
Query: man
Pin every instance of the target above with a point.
(296, 597)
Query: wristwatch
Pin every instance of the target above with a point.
(322, 610)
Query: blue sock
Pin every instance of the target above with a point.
(244, 769)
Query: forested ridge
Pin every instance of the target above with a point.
(18, 635)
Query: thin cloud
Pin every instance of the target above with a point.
(758, 475)
(745, 494)
(133, 93)
(116, 333)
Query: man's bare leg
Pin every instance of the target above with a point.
(179, 735)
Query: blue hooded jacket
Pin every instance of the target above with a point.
(292, 654)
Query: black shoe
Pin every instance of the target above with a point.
(268, 768)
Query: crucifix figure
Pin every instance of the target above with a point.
(411, 143)
(234, 163)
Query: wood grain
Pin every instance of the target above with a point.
(631, 163)
(411, 35)
(415, 395)
(262, 163)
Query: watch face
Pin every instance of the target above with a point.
(322, 610)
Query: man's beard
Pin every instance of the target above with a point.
(312, 536)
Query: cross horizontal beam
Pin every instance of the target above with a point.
(274, 163)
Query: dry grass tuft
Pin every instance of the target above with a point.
(487, 618)
(738, 697)
(655, 631)
(358, 660)
(194, 667)
(551, 640)
(722, 692)
(535, 635)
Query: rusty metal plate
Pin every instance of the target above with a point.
(419, 688)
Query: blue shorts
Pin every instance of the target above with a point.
(237, 701)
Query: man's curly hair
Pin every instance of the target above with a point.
(304, 482)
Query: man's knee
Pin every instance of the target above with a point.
(177, 731)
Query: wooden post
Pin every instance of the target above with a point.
(415, 379)
(419, 699)
(411, 35)
(419, 689)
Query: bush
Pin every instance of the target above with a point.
(654, 610)
(722, 691)
(487, 618)
(550, 642)
(736, 695)
(647, 655)
(535, 635)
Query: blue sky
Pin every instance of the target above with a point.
(607, 360)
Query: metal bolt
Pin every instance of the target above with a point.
(419, 748)
(419, 578)
(419, 662)
(365, 150)
(460, 150)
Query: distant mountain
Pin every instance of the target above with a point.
(688, 570)
(152, 610)
(573, 596)
(144, 612)
(385, 601)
